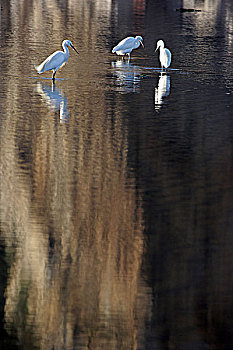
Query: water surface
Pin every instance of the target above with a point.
(116, 181)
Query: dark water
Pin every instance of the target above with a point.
(117, 181)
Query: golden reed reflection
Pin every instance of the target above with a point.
(75, 235)
(71, 220)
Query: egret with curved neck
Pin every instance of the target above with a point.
(127, 45)
(56, 60)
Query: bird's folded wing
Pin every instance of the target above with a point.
(53, 61)
(124, 44)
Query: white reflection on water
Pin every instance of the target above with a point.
(127, 76)
(55, 99)
(162, 91)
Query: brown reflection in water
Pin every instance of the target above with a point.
(73, 231)
(70, 216)
(72, 225)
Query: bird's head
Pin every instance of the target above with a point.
(160, 43)
(69, 43)
(140, 39)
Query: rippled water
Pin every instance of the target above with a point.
(117, 180)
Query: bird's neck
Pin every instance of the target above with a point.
(66, 51)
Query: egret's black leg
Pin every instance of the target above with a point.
(54, 76)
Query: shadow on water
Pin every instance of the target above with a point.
(7, 341)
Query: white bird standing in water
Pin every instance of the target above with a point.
(56, 60)
(165, 55)
(128, 44)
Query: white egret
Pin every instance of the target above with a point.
(165, 55)
(56, 60)
(128, 44)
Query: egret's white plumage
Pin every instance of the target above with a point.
(128, 44)
(165, 55)
(56, 60)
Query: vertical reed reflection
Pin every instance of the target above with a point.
(71, 219)
(73, 229)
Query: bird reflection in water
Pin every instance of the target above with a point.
(162, 91)
(128, 76)
(55, 99)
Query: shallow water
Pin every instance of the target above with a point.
(116, 181)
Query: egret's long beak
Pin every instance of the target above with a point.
(142, 43)
(74, 49)
(156, 48)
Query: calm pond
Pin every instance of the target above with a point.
(116, 189)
